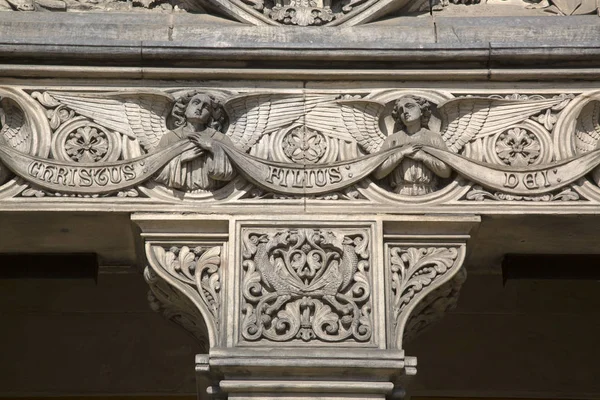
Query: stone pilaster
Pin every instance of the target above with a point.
(303, 306)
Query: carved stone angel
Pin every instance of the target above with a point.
(199, 117)
(587, 133)
(411, 170)
(143, 118)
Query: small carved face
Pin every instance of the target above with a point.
(198, 109)
(409, 110)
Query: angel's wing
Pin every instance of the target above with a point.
(465, 118)
(139, 115)
(353, 119)
(255, 115)
(13, 127)
(587, 130)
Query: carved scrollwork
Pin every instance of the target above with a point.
(415, 272)
(477, 193)
(306, 284)
(434, 306)
(175, 307)
(397, 146)
(195, 272)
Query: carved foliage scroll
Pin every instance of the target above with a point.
(305, 146)
(196, 273)
(414, 272)
(176, 307)
(306, 285)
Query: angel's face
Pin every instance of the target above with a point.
(408, 110)
(197, 110)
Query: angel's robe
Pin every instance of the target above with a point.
(413, 177)
(207, 171)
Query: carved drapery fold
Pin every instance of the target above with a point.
(253, 145)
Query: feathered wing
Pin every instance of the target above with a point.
(587, 130)
(139, 115)
(466, 118)
(255, 115)
(14, 130)
(353, 119)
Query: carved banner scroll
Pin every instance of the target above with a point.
(290, 178)
(521, 181)
(71, 177)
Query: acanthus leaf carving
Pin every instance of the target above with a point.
(306, 284)
(477, 193)
(415, 272)
(434, 306)
(195, 272)
(174, 306)
(302, 147)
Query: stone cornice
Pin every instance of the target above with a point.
(202, 41)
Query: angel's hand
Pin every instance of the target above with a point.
(191, 154)
(201, 140)
(410, 150)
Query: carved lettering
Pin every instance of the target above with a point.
(82, 177)
(319, 177)
(510, 180)
(529, 180)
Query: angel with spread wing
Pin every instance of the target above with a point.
(14, 131)
(587, 133)
(411, 170)
(199, 116)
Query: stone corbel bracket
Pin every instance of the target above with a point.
(185, 272)
(305, 305)
(424, 270)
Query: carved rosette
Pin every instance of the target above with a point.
(476, 147)
(185, 284)
(306, 285)
(80, 140)
(414, 273)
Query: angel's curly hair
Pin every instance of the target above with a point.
(218, 117)
(424, 105)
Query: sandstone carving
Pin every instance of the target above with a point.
(175, 307)
(182, 275)
(306, 284)
(391, 146)
(434, 306)
(412, 271)
(568, 7)
(90, 5)
(412, 171)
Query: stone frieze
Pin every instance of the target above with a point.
(397, 146)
